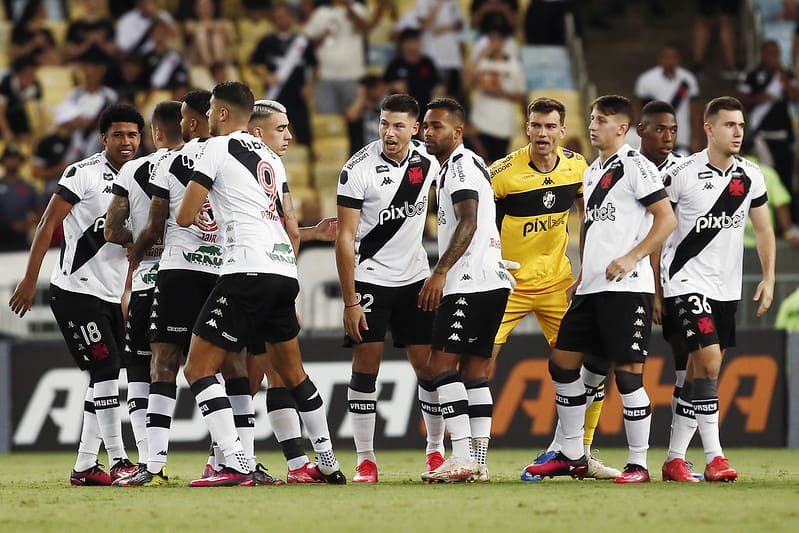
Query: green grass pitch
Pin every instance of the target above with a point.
(35, 496)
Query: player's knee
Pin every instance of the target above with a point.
(362, 382)
(628, 382)
(164, 365)
(563, 375)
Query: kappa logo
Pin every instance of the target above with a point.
(221, 300)
(548, 181)
(461, 301)
(639, 323)
(634, 274)
(107, 189)
(690, 333)
(211, 322)
(686, 322)
(458, 313)
(635, 347)
(637, 335)
(321, 440)
(708, 186)
(456, 325)
(75, 336)
(681, 312)
(678, 301)
(152, 327)
(216, 311)
(549, 198)
(71, 324)
(640, 310)
(153, 315)
(387, 181)
(466, 277)
(454, 337)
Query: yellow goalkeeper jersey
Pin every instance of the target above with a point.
(532, 214)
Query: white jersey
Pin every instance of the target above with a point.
(132, 182)
(678, 90)
(671, 160)
(88, 264)
(705, 253)
(617, 193)
(246, 182)
(392, 198)
(480, 269)
(191, 248)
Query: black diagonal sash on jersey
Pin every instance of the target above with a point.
(696, 241)
(407, 193)
(250, 160)
(142, 177)
(680, 94)
(88, 244)
(600, 192)
(181, 170)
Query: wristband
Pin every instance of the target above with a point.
(352, 305)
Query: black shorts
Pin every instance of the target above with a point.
(179, 297)
(702, 321)
(246, 307)
(613, 325)
(93, 329)
(467, 323)
(137, 326)
(708, 8)
(394, 308)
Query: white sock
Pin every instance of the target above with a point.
(90, 438)
(160, 409)
(218, 414)
(679, 383)
(570, 403)
(431, 413)
(706, 410)
(362, 409)
(285, 422)
(454, 403)
(637, 421)
(312, 411)
(481, 407)
(138, 392)
(109, 419)
(683, 424)
(238, 391)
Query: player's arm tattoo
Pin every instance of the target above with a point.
(466, 214)
(114, 229)
(154, 230)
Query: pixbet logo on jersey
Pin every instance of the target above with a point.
(722, 221)
(597, 213)
(406, 210)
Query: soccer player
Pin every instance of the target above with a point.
(269, 123)
(131, 198)
(627, 216)
(712, 191)
(254, 295)
(468, 290)
(658, 131)
(382, 210)
(187, 272)
(86, 289)
(534, 189)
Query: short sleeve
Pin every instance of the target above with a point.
(640, 87)
(351, 189)
(647, 185)
(159, 178)
(210, 162)
(693, 87)
(121, 185)
(462, 181)
(72, 185)
(317, 23)
(758, 192)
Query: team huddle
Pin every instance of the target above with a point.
(206, 226)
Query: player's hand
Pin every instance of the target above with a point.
(134, 255)
(354, 322)
(765, 294)
(22, 299)
(430, 295)
(326, 229)
(657, 310)
(620, 267)
(204, 221)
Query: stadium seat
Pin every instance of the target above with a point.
(327, 199)
(547, 67)
(232, 9)
(58, 29)
(327, 126)
(5, 42)
(146, 102)
(325, 173)
(379, 56)
(297, 153)
(319, 301)
(56, 81)
(299, 174)
(332, 149)
(250, 32)
(200, 77)
(575, 109)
